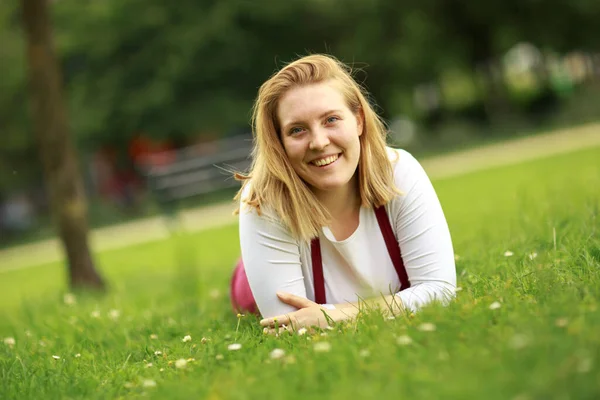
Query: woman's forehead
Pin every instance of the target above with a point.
(309, 101)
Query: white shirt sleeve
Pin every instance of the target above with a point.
(271, 260)
(423, 236)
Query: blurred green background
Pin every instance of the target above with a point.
(144, 77)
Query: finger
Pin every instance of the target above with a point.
(280, 320)
(295, 301)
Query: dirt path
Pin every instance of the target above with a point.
(194, 220)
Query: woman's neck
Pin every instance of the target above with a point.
(343, 202)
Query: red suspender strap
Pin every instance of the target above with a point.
(392, 246)
(317, 267)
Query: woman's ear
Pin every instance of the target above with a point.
(360, 121)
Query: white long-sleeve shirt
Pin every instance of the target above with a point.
(358, 267)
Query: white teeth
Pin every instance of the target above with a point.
(325, 161)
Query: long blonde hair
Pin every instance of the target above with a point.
(275, 184)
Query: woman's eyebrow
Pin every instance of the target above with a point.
(323, 115)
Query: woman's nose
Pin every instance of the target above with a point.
(319, 139)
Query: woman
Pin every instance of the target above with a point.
(330, 216)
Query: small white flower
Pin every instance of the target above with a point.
(364, 353)
(114, 314)
(584, 365)
(323, 334)
(533, 256)
(181, 363)
(234, 347)
(322, 347)
(495, 305)
(390, 317)
(158, 353)
(277, 354)
(427, 327)
(508, 253)
(148, 383)
(329, 328)
(204, 340)
(219, 357)
(10, 341)
(561, 322)
(154, 336)
(149, 365)
(95, 314)
(186, 338)
(301, 331)
(69, 299)
(404, 340)
(56, 357)
(77, 355)
(519, 341)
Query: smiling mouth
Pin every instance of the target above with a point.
(325, 161)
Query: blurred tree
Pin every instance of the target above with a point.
(57, 152)
(147, 66)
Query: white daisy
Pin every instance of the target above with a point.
(322, 347)
(404, 340)
(301, 331)
(427, 327)
(69, 299)
(148, 383)
(277, 354)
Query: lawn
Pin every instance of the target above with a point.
(526, 324)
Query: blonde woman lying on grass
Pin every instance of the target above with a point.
(328, 213)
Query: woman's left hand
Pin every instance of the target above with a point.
(309, 314)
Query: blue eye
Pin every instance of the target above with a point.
(295, 130)
(332, 119)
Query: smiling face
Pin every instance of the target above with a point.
(320, 135)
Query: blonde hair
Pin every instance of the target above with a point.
(275, 184)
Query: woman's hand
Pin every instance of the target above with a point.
(309, 314)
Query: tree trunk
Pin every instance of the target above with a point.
(58, 155)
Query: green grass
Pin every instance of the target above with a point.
(543, 342)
